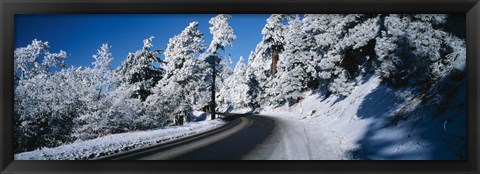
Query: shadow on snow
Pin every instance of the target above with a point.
(422, 133)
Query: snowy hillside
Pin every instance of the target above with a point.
(357, 86)
(365, 125)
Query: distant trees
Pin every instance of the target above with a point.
(54, 105)
(101, 71)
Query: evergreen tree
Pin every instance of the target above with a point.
(181, 72)
(274, 38)
(222, 36)
(102, 73)
(296, 66)
(90, 124)
(414, 48)
(346, 49)
(264, 61)
(139, 70)
(233, 94)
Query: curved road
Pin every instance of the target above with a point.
(229, 142)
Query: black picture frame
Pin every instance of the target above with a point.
(8, 9)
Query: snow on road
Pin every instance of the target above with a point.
(292, 140)
(360, 127)
(327, 134)
(117, 142)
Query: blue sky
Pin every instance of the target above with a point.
(80, 35)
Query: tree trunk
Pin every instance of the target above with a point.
(180, 120)
(212, 103)
(274, 59)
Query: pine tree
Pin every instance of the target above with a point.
(258, 70)
(274, 38)
(102, 73)
(263, 62)
(181, 71)
(414, 48)
(296, 66)
(347, 49)
(91, 123)
(125, 106)
(233, 95)
(139, 71)
(222, 37)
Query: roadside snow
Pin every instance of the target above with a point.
(118, 142)
(324, 135)
(362, 126)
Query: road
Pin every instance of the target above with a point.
(230, 142)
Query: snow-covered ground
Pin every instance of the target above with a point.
(374, 122)
(365, 125)
(118, 142)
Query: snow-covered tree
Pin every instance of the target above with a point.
(342, 85)
(274, 38)
(258, 72)
(45, 97)
(233, 94)
(202, 96)
(90, 124)
(28, 62)
(263, 62)
(102, 73)
(323, 33)
(181, 72)
(222, 37)
(222, 33)
(414, 48)
(121, 108)
(45, 107)
(296, 66)
(139, 70)
(346, 45)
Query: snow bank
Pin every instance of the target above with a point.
(117, 143)
(374, 122)
(316, 128)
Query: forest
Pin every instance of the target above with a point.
(328, 54)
